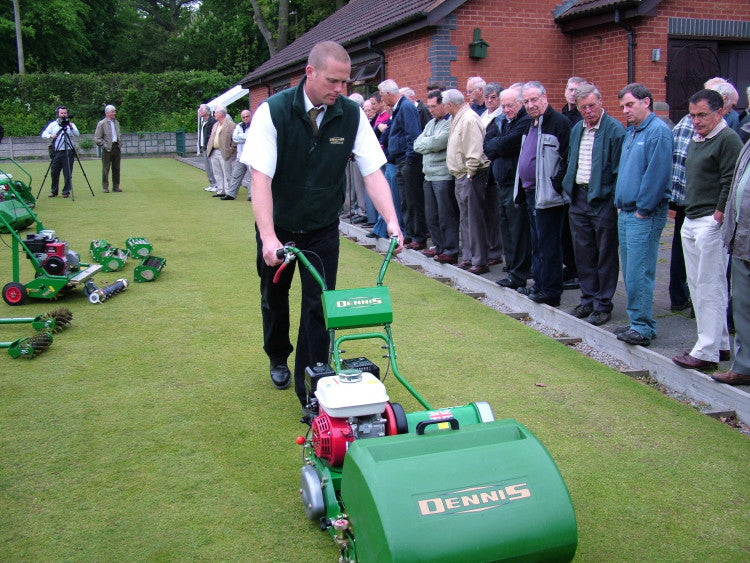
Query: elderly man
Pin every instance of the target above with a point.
(641, 196)
(469, 166)
(595, 146)
(709, 168)
(404, 128)
(475, 92)
(206, 122)
(302, 139)
(441, 208)
(503, 145)
(107, 136)
(221, 150)
(730, 97)
(735, 232)
(239, 169)
(541, 168)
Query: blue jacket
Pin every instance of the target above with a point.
(645, 176)
(404, 128)
(605, 159)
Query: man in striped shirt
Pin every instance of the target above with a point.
(595, 146)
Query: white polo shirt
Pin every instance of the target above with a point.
(259, 151)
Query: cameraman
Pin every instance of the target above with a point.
(62, 150)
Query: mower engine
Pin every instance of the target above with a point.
(351, 406)
(53, 254)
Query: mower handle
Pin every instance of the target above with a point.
(290, 251)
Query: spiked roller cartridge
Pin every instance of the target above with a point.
(55, 320)
(27, 348)
(97, 295)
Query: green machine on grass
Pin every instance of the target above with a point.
(438, 484)
(56, 267)
(16, 216)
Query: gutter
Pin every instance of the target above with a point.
(631, 44)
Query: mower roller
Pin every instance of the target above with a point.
(16, 216)
(55, 320)
(138, 247)
(30, 347)
(112, 259)
(56, 267)
(447, 484)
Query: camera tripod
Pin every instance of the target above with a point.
(69, 149)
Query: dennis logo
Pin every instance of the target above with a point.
(358, 302)
(473, 499)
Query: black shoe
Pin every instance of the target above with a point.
(227, 198)
(218, 195)
(280, 376)
(372, 235)
(526, 290)
(359, 219)
(507, 282)
(543, 299)
(634, 337)
(621, 330)
(598, 318)
(571, 283)
(681, 306)
(582, 311)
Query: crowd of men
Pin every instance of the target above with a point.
(565, 199)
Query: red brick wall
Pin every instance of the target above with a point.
(524, 44)
(601, 54)
(530, 46)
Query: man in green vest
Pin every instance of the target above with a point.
(298, 146)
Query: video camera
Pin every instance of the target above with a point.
(63, 122)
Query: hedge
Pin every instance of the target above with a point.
(145, 102)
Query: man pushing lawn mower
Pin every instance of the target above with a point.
(298, 146)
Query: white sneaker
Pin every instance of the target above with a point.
(210, 189)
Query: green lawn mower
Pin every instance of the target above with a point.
(448, 484)
(56, 267)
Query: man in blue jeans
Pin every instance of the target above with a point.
(641, 197)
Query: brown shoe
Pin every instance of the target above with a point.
(724, 355)
(479, 269)
(494, 261)
(731, 378)
(446, 259)
(116, 190)
(464, 264)
(430, 253)
(416, 245)
(688, 361)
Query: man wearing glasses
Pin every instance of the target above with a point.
(712, 155)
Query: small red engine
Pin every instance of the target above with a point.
(331, 438)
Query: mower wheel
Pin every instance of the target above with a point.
(15, 293)
(396, 422)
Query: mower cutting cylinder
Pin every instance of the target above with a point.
(138, 247)
(482, 492)
(149, 269)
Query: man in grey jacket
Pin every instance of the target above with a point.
(735, 231)
(441, 207)
(108, 137)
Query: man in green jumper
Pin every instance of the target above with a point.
(298, 146)
(712, 155)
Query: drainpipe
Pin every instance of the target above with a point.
(372, 47)
(631, 45)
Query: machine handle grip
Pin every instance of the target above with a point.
(422, 424)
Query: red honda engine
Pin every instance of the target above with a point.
(330, 438)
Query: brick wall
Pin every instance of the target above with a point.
(530, 46)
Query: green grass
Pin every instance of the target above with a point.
(150, 430)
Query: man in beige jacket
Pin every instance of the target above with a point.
(221, 150)
(107, 136)
(469, 166)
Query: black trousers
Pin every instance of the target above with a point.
(679, 294)
(59, 162)
(322, 249)
(516, 236)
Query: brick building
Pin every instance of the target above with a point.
(672, 46)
